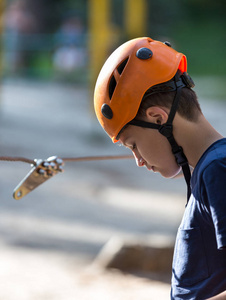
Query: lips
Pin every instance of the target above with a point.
(149, 168)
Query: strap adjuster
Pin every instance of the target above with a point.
(166, 130)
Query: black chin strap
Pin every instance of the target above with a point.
(167, 130)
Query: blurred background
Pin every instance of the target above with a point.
(53, 241)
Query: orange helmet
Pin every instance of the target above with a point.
(128, 73)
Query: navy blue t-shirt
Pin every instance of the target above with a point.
(199, 262)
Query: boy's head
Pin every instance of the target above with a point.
(141, 74)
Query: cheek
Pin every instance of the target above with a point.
(159, 154)
(157, 149)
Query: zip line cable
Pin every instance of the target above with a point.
(67, 159)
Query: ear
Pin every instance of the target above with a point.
(157, 115)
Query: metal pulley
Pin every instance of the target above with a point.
(40, 172)
(43, 170)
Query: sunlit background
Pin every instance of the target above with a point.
(56, 242)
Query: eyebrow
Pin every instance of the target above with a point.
(126, 144)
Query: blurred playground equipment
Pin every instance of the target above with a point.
(69, 40)
(71, 49)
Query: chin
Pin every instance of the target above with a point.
(171, 173)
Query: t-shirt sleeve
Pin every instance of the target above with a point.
(214, 177)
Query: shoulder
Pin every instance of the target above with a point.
(213, 174)
(214, 158)
(212, 165)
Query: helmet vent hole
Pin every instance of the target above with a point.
(122, 66)
(112, 86)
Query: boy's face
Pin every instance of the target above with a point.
(150, 149)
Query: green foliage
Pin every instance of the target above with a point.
(196, 28)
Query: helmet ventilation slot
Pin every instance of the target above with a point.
(112, 86)
(122, 66)
(113, 83)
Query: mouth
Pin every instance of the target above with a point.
(150, 168)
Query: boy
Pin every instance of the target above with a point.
(144, 99)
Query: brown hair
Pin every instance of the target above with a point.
(188, 106)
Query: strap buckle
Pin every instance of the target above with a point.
(180, 156)
(41, 171)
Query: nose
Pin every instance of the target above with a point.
(139, 161)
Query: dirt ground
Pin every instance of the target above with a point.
(33, 275)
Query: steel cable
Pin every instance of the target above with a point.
(67, 159)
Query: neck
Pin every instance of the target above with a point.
(195, 137)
